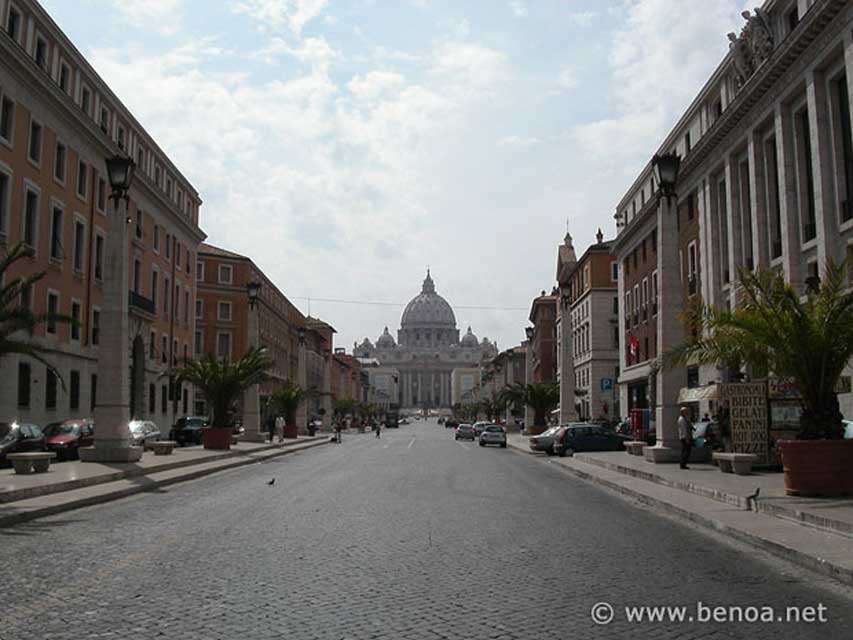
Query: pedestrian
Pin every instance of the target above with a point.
(279, 427)
(685, 434)
(378, 427)
(338, 429)
(271, 428)
(706, 418)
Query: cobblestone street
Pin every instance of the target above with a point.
(413, 536)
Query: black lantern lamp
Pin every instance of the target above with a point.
(665, 168)
(253, 289)
(566, 300)
(300, 332)
(529, 332)
(120, 174)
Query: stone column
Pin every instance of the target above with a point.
(735, 256)
(669, 334)
(567, 365)
(112, 413)
(758, 201)
(826, 208)
(302, 381)
(792, 263)
(252, 396)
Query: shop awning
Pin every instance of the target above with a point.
(697, 394)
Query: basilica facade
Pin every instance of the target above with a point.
(417, 369)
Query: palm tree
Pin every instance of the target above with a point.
(222, 381)
(542, 397)
(808, 341)
(18, 323)
(286, 399)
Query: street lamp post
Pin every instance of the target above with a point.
(112, 413)
(252, 398)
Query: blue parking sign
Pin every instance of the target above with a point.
(606, 384)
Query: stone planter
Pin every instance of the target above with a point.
(817, 467)
(216, 438)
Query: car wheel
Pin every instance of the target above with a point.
(567, 451)
(503, 445)
(550, 451)
(482, 444)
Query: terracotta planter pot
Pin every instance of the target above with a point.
(290, 431)
(216, 438)
(817, 467)
(535, 430)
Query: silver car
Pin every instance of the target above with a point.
(143, 432)
(544, 441)
(493, 434)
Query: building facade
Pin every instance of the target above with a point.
(427, 350)
(543, 316)
(765, 182)
(59, 121)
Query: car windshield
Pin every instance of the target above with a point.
(7, 431)
(494, 429)
(137, 427)
(62, 429)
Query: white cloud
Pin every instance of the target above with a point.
(165, 15)
(517, 142)
(518, 8)
(375, 84)
(276, 14)
(469, 65)
(567, 79)
(582, 18)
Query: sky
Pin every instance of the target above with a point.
(347, 145)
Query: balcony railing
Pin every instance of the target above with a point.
(142, 303)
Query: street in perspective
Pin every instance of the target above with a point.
(340, 320)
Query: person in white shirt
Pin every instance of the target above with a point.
(279, 427)
(685, 434)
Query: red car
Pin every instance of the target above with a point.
(65, 438)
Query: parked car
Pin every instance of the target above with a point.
(451, 424)
(66, 438)
(464, 432)
(19, 437)
(143, 432)
(479, 427)
(585, 437)
(493, 434)
(544, 441)
(187, 430)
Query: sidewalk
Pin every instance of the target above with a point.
(812, 532)
(70, 485)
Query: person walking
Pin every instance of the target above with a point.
(685, 434)
(338, 429)
(271, 428)
(279, 427)
(378, 427)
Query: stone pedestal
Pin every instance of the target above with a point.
(112, 413)
(252, 397)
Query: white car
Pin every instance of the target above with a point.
(493, 434)
(143, 432)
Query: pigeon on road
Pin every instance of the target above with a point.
(271, 482)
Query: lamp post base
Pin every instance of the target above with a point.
(110, 454)
(253, 436)
(660, 453)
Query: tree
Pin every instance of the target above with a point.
(542, 397)
(287, 398)
(344, 407)
(17, 323)
(807, 341)
(222, 381)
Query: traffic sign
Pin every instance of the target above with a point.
(606, 384)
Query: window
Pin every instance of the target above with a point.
(102, 194)
(152, 398)
(99, 257)
(64, 76)
(199, 309)
(176, 301)
(178, 249)
(59, 162)
(168, 246)
(690, 206)
(164, 399)
(687, 143)
(157, 176)
(24, 382)
(164, 349)
(52, 309)
(139, 215)
(654, 293)
(199, 342)
(199, 271)
(805, 176)
(152, 346)
(189, 260)
(166, 293)
(140, 158)
(13, 24)
(96, 327)
(154, 276)
(225, 274)
(93, 392)
(50, 389)
(137, 276)
(614, 271)
(75, 320)
(27, 297)
(34, 148)
(174, 352)
(40, 53)
(74, 390)
(5, 194)
(105, 120)
(79, 246)
(155, 239)
(223, 311)
(186, 306)
(56, 234)
(85, 100)
(31, 218)
(645, 299)
(185, 400)
(186, 353)
(120, 137)
(223, 345)
(82, 175)
(7, 117)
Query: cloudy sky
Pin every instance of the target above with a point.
(347, 144)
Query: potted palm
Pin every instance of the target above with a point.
(287, 399)
(222, 382)
(542, 397)
(806, 340)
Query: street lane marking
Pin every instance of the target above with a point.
(462, 444)
(411, 443)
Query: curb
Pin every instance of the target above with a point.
(841, 574)
(151, 484)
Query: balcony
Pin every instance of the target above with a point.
(141, 303)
